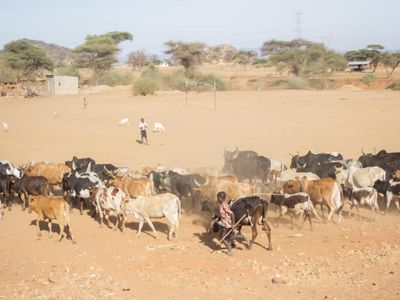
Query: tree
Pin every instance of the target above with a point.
(99, 52)
(221, 53)
(390, 62)
(6, 73)
(189, 55)
(138, 59)
(302, 57)
(372, 53)
(245, 57)
(25, 58)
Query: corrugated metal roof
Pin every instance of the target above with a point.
(358, 63)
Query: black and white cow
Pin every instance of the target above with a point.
(390, 189)
(367, 196)
(7, 168)
(294, 204)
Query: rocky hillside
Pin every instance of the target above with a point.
(59, 54)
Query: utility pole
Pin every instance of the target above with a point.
(298, 22)
(215, 95)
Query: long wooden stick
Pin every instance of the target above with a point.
(233, 227)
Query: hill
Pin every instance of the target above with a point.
(59, 54)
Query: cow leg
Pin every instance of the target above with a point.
(254, 234)
(322, 210)
(267, 229)
(81, 206)
(62, 228)
(25, 201)
(39, 217)
(49, 224)
(331, 212)
(141, 222)
(388, 200)
(151, 226)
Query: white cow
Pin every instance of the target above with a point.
(158, 127)
(159, 206)
(355, 177)
(106, 200)
(276, 169)
(293, 175)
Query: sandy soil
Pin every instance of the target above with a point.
(357, 259)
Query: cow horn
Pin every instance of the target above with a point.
(374, 150)
(291, 154)
(362, 151)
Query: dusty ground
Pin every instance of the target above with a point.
(357, 259)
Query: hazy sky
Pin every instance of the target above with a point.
(343, 24)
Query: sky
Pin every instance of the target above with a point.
(341, 24)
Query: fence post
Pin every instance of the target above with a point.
(215, 95)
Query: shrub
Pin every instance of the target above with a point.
(368, 78)
(323, 84)
(66, 70)
(145, 86)
(395, 85)
(297, 83)
(115, 77)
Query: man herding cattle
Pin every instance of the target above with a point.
(226, 222)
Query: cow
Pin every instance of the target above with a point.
(396, 175)
(389, 161)
(294, 204)
(51, 208)
(104, 171)
(158, 127)
(307, 163)
(325, 191)
(134, 187)
(7, 168)
(183, 186)
(80, 165)
(52, 172)
(365, 196)
(159, 206)
(276, 169)
(391, 189)
(228, 184)
(250, 210)
(247, 165)
(30, 185)
(5, 188)
(155, 178)
(354, 177)
(106, 200)
(78, 186)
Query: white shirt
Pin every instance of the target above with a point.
(142, 125)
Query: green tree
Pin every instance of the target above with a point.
(302, 57)
(6, 73)
(245, 57)
(372, 53)
(390, 62)
(221, 53)
(189, 55)
(99, 52)
(25, 58)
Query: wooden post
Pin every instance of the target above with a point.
(215, 95)
(186, 87)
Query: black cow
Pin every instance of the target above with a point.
(390, 189)
(104, 171)
(390, 162)
(156, 178)
(231, 155)
(322, 164)
(30, 185)
(80, 165)
(5, 188)
(182, 185)
(248, 167)
(253, 208)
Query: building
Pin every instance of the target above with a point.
(358, 66)
(61, 85)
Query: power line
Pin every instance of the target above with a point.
(298, 22)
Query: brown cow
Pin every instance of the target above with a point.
(325, 191)
(134, 186)
(51, 208)
(51, 171)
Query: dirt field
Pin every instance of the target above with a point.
(357, 259)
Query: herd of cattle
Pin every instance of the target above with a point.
(252, 183)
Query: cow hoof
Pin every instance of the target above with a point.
(73, 242)
(39, 234)
(81, 213)
(50, 237)
(114, 229)
(270, 248)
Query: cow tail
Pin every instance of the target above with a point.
(264, 210)
(66, 217)
(179, 209)
(47, 190)
(341, 198)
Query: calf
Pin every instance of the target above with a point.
(51, 208)
(294, 204)
(391, 189)
(158, 127)
(163, 205)
(365, 196)
(106, 200)
(30, 185)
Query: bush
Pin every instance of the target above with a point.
(323, 84)
(368, 78)
(297, 83)
(395, 85)
(66, 70)
(115, 77)
(145, 86)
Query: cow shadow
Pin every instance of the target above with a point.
(43, 225)
(159, 226)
